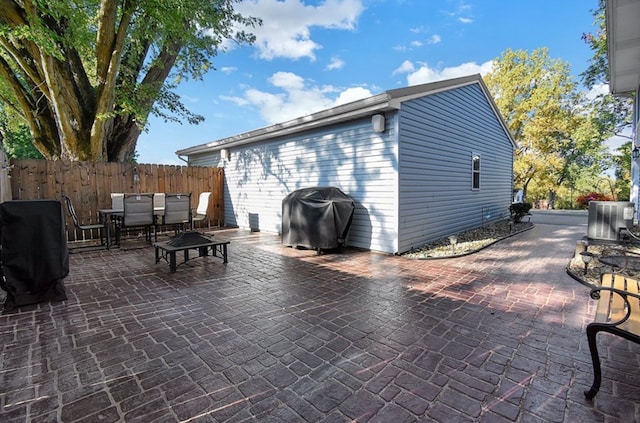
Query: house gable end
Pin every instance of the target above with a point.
(439, 137)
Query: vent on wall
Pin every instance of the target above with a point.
(377, 123)
(606, 218)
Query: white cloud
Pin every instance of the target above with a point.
(239, 101)
(405, 67)
(287, 80)
(461, 13)
(425, 74)
(286, 28)
(228, 69)
(189, 99)
(434, 39)
(335, 64)
(597, 90)
(296, 97)
(352, 94)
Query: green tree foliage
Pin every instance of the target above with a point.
(622, 167)
(85, 75)
(551, 121)
(15, 138)
(598, 70)
(613, 114)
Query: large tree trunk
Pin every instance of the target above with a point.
(93, 108)
(552, 200)
(110, 46)
(122, 147)
(126, 128)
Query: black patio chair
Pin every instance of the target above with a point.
(100, 227)
(137, 213)
(177, 211)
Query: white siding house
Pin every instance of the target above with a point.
(420, 163)
(623, 49)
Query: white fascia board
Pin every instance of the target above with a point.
(389, 100)
(335, 115)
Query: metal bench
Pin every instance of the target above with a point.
(617, 312)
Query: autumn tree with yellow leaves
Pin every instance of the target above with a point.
(559, 141)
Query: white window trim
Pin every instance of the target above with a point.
(473, 171)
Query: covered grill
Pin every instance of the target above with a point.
(317, 218)
(34, 254)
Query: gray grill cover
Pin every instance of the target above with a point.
(34, 252)
(317, 217)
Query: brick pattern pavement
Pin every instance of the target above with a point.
(284, 335)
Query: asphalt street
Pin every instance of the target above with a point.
(560, 217)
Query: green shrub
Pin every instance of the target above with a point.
(519, 210)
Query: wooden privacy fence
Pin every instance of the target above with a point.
(89, 185)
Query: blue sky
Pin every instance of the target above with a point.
(313, 55)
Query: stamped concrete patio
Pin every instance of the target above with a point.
(283, 335)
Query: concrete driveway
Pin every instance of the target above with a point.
(284, 335)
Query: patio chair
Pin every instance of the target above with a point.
(117, 201)
(177, 211)
(158, 201)
(100, 227)
(158, 206)
(137, 213)
(202, 209)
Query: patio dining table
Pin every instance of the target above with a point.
(107, 216)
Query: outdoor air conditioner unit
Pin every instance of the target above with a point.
(606, 218)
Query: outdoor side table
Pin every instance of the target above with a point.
(189, 241)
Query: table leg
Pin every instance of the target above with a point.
(172, 262)
(202, 251)
(107, 229)
(107, 234)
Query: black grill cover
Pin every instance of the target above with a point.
(317, 217)
(34, 252)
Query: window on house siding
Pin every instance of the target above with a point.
(475, 171)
